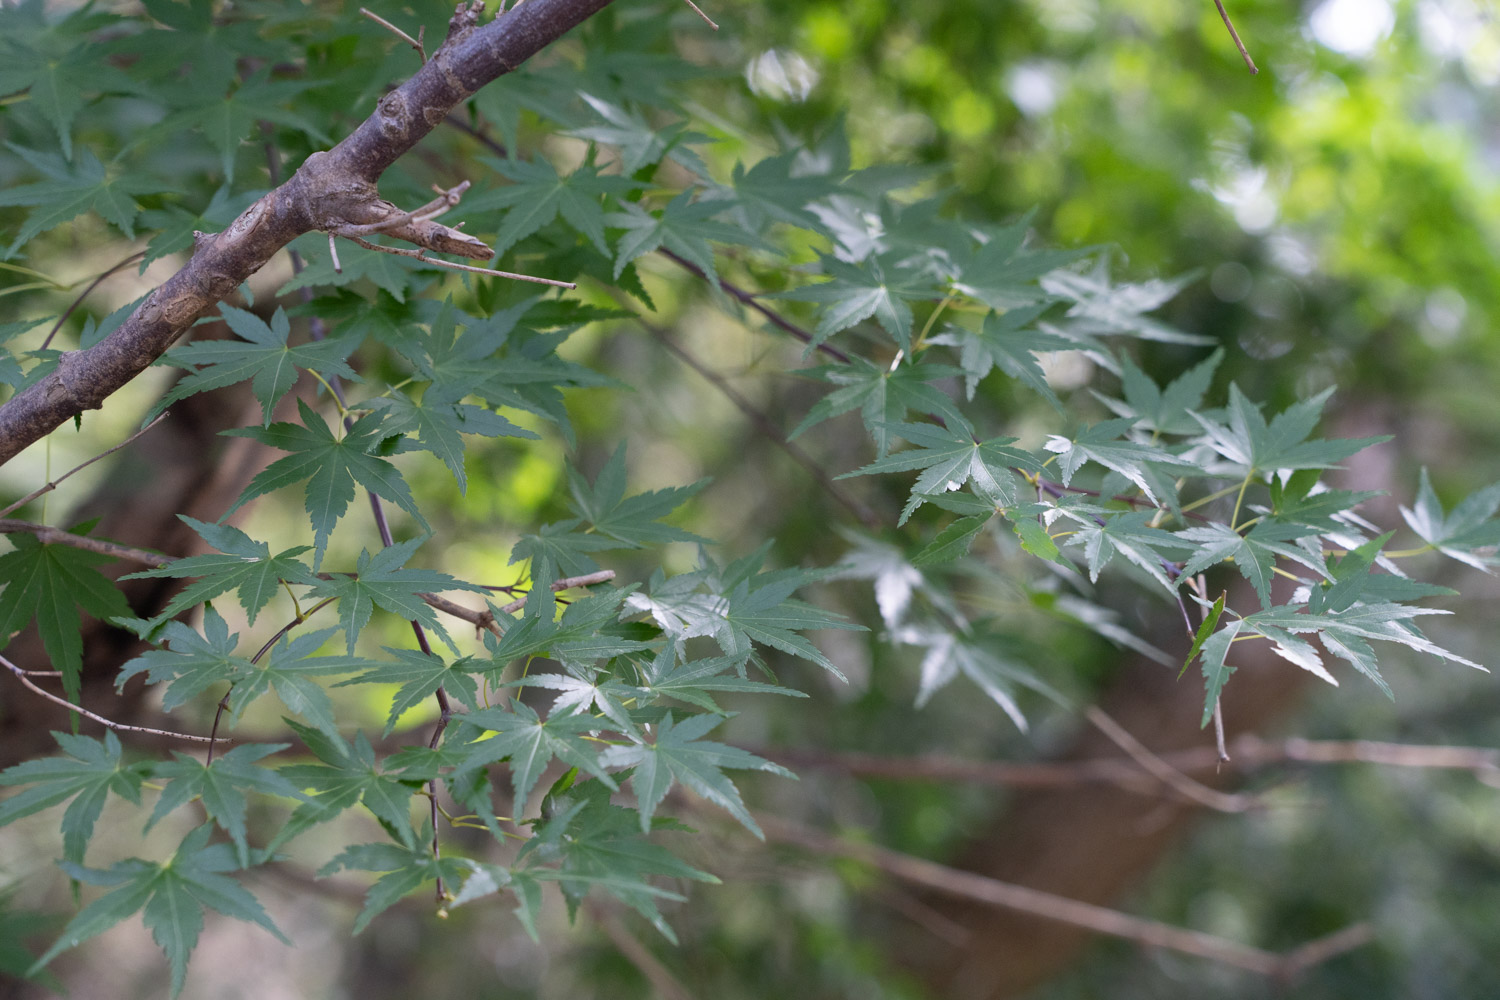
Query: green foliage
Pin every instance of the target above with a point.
(936, 331)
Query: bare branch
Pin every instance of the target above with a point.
(650, 967)
(20, 675)
(40, 491)
(1236, 36)
(49, 535)
(413, 42)
(1164, 772)
(1099, 919)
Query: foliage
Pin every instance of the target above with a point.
(945, 336)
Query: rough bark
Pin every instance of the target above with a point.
(331, 190)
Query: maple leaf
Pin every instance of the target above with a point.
(684, 227)
(72, 189)
(1165, 410)
(1002, 274)
(419, 674)
(949, 458)
(225, 119)
(1259, 447)
(884, 395)
(1008, 341)
(220, 785)
(91, 771)
(380, 580)
(529, 743)
(540, 194)
(172, 897)
(678, 755)
(1254, 553)
(263, 356)
(48, 584)
(406, 869)
(632, 521)
(880, 287)
(1103, 445)
(331, 465)
(1469, 534)
(347, 775)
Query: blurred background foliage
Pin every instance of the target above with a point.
(1338, 218)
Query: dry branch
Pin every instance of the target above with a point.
(331, 189)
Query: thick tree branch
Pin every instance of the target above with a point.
(332, 189)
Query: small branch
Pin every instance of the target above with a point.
(485, 620)
(1236, 36)
(445, 200)
(78, 468)
(422, 256)
(49, 535)
(107, 723)
(650, 967)
(1164, 772)
(699, 12)
(415, 43)
(768, 427)
(1098, 919)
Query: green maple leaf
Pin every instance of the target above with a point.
(1254, 553)
(589, 629)
(201, 52)
(263, 356)
(540, 194)
(225, 120)
(880, 286)
(221, 785)
(884, 395)
(1249, 441)
(948, 655)
(289, 671)
(1102, 444)
(1002, 274)
(529, 743)
(331, 465)
(633, 521)
(640, 143)
(678, 755)
(684, 227)
(419, 674)
(695, 680)
(347, 776)
(556, 551)
(439, 427)
(1469, 534)
(1008, 341)
(772, 189)
(48, 584)
(1165, 410)
(760, 609)
(72, 189)
(172, 896)
(585, 690)
(56, 65)
(190, 663)
(406, 869)
(1105, 533)
(1100, 306)
(950, 457)
(91, 771)
(380, 580)
(246, 567)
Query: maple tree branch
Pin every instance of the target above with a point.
(48, 535)
(331, 188)
(1164, 772)
(1098, 919)
(20, 675)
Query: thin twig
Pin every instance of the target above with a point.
(414, 43)
(1164, 772)
(107, 723)
(78, 468)
(1236, 36)
(1006, 895)
(49, 535)
(422, 256)
(445, 200)
(697, 10)
(47, 341)
(767, 427)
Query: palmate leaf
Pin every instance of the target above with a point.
(246, 567)
(774, 190)
(540, 194)
(1008, 341)
(1102, 306)
(331, 465)
(1104, 445)
(678, 755)
(189, 661)
(588, 630)
(948, 655)
(696, 680)
(419, 675)
(221, 785)
(633, 521)
(640, 143)
(381, 580)
(74, 188)
(226, 120)
(1469, 534)
(529, 743)
(1254, 553)
(1166, 410)
(884, 395)
(949, 457)
(406, 869)
(347, 776)
(880, 287)
(172, 897)
(262, 355)
(684, 227)
(48, 584)
(1260, 447)
(1106, 533)
(1003, 275)
(91, 771)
